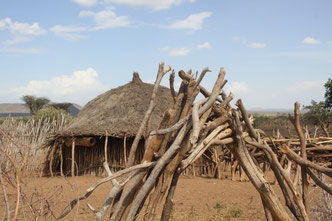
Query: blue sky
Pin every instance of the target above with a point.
(274, 52)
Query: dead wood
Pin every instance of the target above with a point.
(213, 129)
(292, 155)
(161, 73)
(83, 141)
(296, 122)
(171, 85)
(73, 158)
(255, 175)
(90, 190)
(146, 188)
(109, 200)
(319, 182)
(295, 194)
(243, 110)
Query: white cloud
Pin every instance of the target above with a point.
(106, 19)
(22, 50)
(86, 3)
(179, 52)
(68, 28)
(249, 44)
(308, 85)
(80, 85)
(166, 48)
(70, 32)
(193, 22)
(21, 32)
(256, 45)
(184, 51)
(329, 42)
(237, 87)
(240, 39)
(153, 4)
(310, 41)
(205, 45)
(2, 24)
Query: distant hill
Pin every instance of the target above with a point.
(73, 109)
(270, 110)
(14, 110)
(20, 110)
(273, 111)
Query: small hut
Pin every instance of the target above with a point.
(105, 128)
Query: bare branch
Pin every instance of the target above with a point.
(89, 191)
(292, 155)
(319, 182)
(161, 73)
(171, 85)
(240, 105)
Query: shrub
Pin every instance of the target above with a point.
(235, 213)
(51, 113)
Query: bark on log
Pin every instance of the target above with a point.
(161, 73)
(84, 141)
(296, 195)
(105, 148)
(73, 158)
(243, 110)
(291, 154)
(256, 177)
(296, 122)
(146, 188)
(319, 182)
(90, 190)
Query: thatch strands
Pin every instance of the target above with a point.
(185, 133)
(119, 111)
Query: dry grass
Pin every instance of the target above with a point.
(21, 157)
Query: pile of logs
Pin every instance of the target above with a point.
(319, 149)
(184, 134)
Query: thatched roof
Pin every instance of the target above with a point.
(120, 111)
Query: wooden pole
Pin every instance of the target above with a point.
(125, 150)
(194, 173)
(296, 122)
(61, 160)
(73, 158)
(105, 148)
(51, 158)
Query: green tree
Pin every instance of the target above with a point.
(320, 113)
(62, 106)
(328, 94)
(35, 103)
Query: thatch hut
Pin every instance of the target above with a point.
(112, 118)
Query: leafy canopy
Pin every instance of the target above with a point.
(35, 103)
(320, 112)
(328, 94)
(317, 113)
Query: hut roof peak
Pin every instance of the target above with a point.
(119, 111)
(136, 78)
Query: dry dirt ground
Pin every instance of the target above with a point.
(195, 198)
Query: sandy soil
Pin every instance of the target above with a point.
(195, 198)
